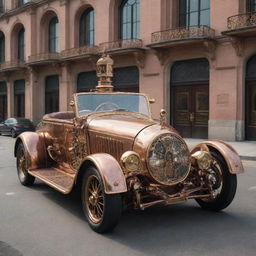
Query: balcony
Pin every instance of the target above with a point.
(241, 25)
(43, 58)
(12, 65)
(174, 37)
(121, 45)
(80, 52)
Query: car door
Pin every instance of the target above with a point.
(5, 127)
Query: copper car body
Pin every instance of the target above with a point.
(145, 161)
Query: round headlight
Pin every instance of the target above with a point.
(131, 161)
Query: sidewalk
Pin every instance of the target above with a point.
(246, 149)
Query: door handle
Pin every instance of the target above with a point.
(192, 117)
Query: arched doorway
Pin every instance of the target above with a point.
(19, 98)
(51, 94)
(251, 99)
(190, 97)
(3, 101)
(86, 81)
(125, 79)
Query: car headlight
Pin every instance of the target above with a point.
(131, 161)
(203, 159)
(168, 159)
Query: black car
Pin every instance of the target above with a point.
(15, 126)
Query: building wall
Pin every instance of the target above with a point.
(227, 58)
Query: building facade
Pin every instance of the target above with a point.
(197, 58)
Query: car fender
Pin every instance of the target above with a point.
(35, 149)
(110, 171)
(229, 154)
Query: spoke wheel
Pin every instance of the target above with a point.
(94, 199)
(25, 178)
(102, 210)
(225, 186)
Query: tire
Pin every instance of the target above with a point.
(25, 178)
(227, 191)
(102, 211)
(13, 133)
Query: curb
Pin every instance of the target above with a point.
(249, 158)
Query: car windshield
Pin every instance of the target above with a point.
(88, 103)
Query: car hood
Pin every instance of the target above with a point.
(127, 126)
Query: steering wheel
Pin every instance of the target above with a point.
(84, 112)
(105, 106)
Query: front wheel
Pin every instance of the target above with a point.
(102, 210)
(225, 189)
(25, 178)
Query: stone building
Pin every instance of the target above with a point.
(197, 58)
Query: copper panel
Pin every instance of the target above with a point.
(230, 155)
(35, 149)
(110, 171)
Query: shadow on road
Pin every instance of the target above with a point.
(173, 227)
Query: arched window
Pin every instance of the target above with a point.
(86, 81)
(51, 94)
(130, 19)
(21, 44)
(251, 5)
(2, 47)
(54, 35)
(87, 28)
(194, 13)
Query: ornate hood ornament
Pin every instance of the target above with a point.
(105, 73)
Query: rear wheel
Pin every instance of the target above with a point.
(102, 210)
(25, 178)
(225, 190)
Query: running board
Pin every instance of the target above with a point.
(55, 178)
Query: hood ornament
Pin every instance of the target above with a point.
(105, 73)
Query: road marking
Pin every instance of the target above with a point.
(10, 193)
(252, 188)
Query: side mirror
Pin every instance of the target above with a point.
(72, 103)
(152, 101)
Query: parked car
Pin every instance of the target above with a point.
(111, 149)
(15, 126)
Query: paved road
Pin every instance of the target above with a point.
(39, 221)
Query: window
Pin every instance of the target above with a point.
(130, 19)
(87, 28)
(21, 2)
(87, 81)
(251, 5)
(51, 94)
(19, 98)
(2, 47)
(3, 101)
(54, 35)
(194, 13)
(1, 6)
(21, 45)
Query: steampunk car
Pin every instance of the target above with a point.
(109, 148)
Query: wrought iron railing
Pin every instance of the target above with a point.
(182, 33)
(242, 20)
(74, 52)
(43, 57)
(121, 44)
(12, 64)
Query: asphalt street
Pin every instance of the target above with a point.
(39, 221)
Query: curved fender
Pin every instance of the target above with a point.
(110, 171)
(35, 148)
(229, 154)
